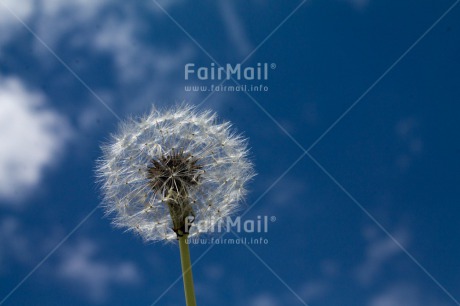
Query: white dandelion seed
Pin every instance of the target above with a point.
(169, 165)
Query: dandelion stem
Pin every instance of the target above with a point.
(187, 271)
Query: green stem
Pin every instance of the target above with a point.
(187, 271)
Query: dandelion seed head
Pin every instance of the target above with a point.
(168, 165)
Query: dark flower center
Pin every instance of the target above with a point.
(172, 176)
(176, 171)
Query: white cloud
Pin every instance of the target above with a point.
(407, 130)
(13, 243)
(314, 290)
(93, 277)
(54, 7)
(145, 71)
(235, 29)
(264, 299)
(289, 191)
(8, 22)
(79, 266)
(72, 21)
(32, 137)
(137, 62)
(166, 5)
(379, 252)
(214, 272)
(403, 294)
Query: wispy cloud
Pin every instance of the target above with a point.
(407, 131)
(264, 299)
(235, 29)
(403, 294)
(13, 243)
(145, 71)
(32, 135)
(92, 277)
(379, 252)
(8, 23)
(314, 290)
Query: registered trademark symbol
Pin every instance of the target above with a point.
(272, 218)
(273, 66)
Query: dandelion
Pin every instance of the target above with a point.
(169, 168)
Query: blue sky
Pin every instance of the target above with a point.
(355, 144)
